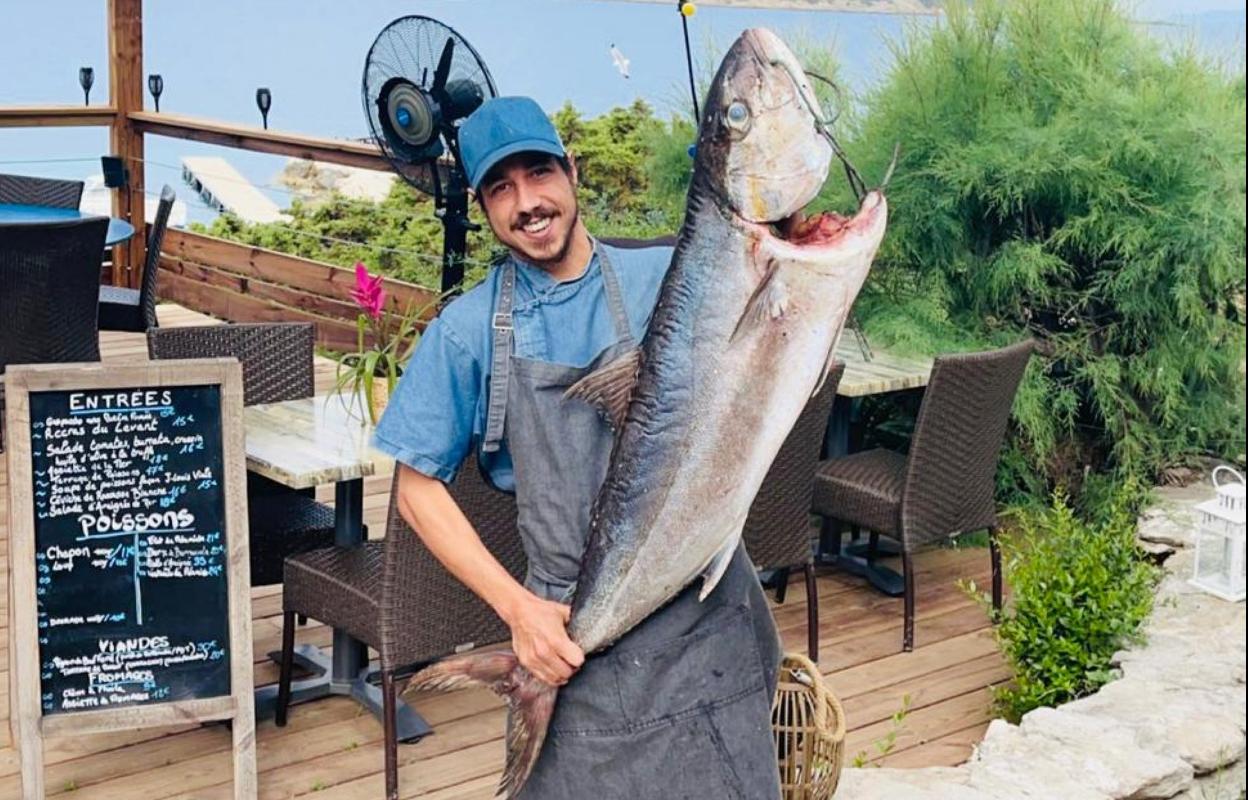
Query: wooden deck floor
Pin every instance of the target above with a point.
(331, 749)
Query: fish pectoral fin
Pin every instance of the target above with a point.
(716, 569)
(769, 301)
(610, 387)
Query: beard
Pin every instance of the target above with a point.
(537, 259)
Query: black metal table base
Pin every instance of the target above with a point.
(881, 577)
(411, 727)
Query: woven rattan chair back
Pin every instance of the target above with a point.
(777, 530)
(426, 613)
(276, 356)
(151, 266)
(49, 303)
(27, 191)
(951, 470)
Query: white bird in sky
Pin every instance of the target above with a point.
(617, 58)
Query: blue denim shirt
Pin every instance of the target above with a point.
(438, 409)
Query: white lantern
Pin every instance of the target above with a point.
(1219, 566)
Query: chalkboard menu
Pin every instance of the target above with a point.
(130, 546)
(127, 525)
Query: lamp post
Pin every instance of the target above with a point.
(264, 101)
(156, 85)
(86, 78)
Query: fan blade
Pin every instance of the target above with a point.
(444, 66)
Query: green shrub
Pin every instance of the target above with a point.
(1063, 176)
(1080, 589)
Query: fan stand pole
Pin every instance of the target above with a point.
(455, 227)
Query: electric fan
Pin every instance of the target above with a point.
(421, 79)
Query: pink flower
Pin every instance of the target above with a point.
(368, 293)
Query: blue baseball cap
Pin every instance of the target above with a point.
(502, 127)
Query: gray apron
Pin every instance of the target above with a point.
(680, 707)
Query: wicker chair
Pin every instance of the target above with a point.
(277, 365)
(777, 531)
(396, 597)
(27, 191)
(50, 274)
(124, 309)
(946, 484)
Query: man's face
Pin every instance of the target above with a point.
(531, 205)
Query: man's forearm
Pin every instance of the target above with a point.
(435, 516)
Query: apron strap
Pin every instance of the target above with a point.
(496, 411)
(615, 298)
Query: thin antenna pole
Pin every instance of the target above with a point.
(693, 89)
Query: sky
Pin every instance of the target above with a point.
(310, 54)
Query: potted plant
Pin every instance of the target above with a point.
(385, 341)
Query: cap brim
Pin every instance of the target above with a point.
(510, 149)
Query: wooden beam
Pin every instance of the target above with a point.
(56, 116)
(125, 93)
(245, 137)
(311, 276)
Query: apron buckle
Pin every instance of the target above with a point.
(501, 322)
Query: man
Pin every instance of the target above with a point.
(490, 374)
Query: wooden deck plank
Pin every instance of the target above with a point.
(331, 749)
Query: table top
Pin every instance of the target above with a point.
(118, 229)
(311, 441)
(883, 373)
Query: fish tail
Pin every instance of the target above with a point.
(530, 704)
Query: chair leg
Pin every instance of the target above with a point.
(287, 666)
(303, 620)
(907, 642)
(812, 612)
(390, 733)
(782, 583)
(997, 588)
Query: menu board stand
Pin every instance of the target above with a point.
(129, 590)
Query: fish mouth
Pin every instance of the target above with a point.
(823, 231)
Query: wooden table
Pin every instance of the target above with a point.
(305, 443)
(883, 374)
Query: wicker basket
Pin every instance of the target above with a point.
(809, 727)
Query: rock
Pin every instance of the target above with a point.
(1228, 784)
(911, 784)
(1102, 754)
(1204, 729)
(1157, 552)
(1011, 764)
(1209, 744)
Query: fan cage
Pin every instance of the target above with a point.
(410, 47)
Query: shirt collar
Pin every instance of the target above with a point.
(540, 281)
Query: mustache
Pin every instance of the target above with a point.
(525, 217)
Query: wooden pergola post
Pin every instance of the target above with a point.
(125, 91)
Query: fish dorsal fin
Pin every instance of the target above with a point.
(610, 387)
(769, 301)
(718, 566)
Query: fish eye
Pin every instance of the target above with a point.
(738, 115)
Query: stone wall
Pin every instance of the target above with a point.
(1172, 726)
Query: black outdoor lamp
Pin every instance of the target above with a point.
(264, 101)
(116, 175)
(86, 78)
(156, 85)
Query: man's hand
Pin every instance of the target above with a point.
(539, 637)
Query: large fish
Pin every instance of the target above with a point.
(743, 334)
